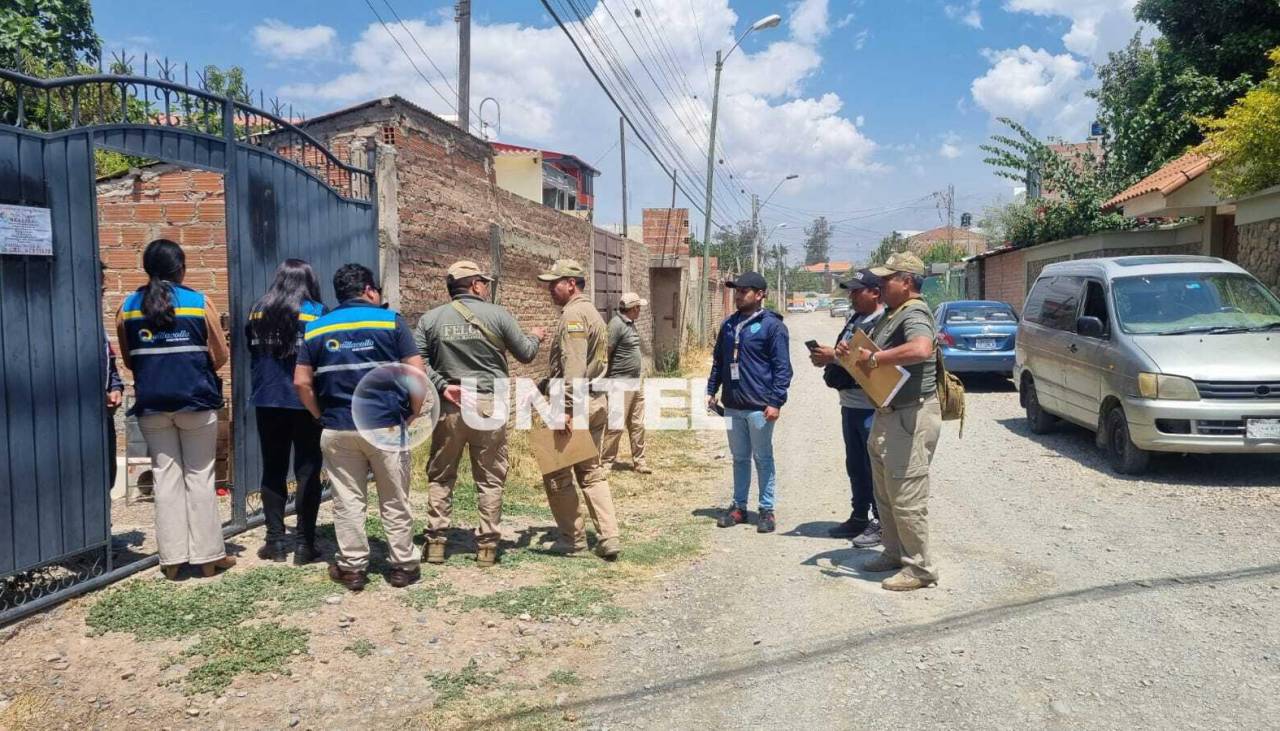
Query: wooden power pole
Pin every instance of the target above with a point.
(464, 64)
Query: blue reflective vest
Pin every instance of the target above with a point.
(344, 346)
(273, 377)
(172, 370)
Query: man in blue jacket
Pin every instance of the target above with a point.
(751, 367)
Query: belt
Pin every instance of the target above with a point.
(905, 407)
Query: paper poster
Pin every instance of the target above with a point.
(25, 231)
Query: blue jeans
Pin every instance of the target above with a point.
(751, 440)
(857, 462)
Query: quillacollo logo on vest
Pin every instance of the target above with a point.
(146, 335)
(332, 345)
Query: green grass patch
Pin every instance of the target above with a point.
(360, 648)
(564, 677)
(264, 648)
(676, 542)
(543, 601)
(422, 598)
(154, 609)
(450, 687)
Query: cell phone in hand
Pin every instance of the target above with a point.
(811, 344)
(716, 408)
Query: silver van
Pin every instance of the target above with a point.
(1154, 354)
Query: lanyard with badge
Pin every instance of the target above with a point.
(737, 337)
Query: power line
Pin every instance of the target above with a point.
(427, 56)
(409, 58)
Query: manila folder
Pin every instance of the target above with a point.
(554, 450)
(881, 384)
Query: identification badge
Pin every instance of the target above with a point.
(733, 371)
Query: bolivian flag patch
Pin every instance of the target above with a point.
(575, 328)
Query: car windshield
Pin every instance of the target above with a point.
(1172, 304)
(979, 314)
(839, 303)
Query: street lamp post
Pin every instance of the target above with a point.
(756, 245)
(766, 22)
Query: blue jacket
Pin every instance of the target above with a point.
(764, 363)
(273, 377)
(172, 370)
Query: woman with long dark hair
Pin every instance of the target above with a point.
(172, 341)
(275, 328)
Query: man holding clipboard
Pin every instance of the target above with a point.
(905, 432)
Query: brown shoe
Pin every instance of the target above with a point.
(400, 578)
(353, 580)
(434, 550)
(486, 555)
(609, 549)
(567, 546)
(881, 564)
(211, 568)
(171, 571)
(642, 469)
(903, 581)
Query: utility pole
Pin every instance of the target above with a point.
(951, 217)
(704, 330)
(622, 145)
(755, 232)
(464, 64)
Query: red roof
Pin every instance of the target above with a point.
(548, 155)
(837, 267)
(1166, 180)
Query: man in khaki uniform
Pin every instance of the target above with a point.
(905, 432)
(579, 350)
(625, 364)
(463, 341)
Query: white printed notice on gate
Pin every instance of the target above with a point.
(25, 231)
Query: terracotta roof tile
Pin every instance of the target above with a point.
(1165, 180)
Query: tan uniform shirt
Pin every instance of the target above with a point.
(580, 348)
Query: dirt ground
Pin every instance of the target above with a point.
(272, 646)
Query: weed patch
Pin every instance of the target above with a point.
(677, 542)
(422, 598)
(564, 677)
(154, 609)
(360, 648)
(450, 687)
(557, 599)
(263, 648)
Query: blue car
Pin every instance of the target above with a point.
(977, 336)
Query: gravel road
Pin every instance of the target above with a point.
(1069, 597)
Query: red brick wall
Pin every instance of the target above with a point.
(666, 230)
(1005, 278)
(185, 206)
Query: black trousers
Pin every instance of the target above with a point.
(278, 431)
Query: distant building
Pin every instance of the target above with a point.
(554, 179)
(970, 240)
(837, 268)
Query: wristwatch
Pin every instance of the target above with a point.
(872, 362)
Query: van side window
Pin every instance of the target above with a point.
(1035, 300)
(1061, 300)
(1095, 304)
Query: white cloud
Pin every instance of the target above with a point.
(845, 21)
(767, 123)
(860, 40)
(1037, 87)
(950, 148)
(282, 41)
(808, 21)
(1097, 26)
(970, 14)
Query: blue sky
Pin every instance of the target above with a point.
(876, 104)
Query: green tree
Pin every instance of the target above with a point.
(734, 246)
(1224, 39)
(891, 244)
(38, 33)
(1246, 138)
(817, 243)
(944, 253)
(1080, 184)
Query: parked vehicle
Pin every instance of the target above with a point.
(1154, 354)
(839, 307)
(977, 336)
(800, 307)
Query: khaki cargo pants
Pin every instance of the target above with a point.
(901, 447)
(348, 458)
(593, 476)
(489, 464)
(183, 445)
(633, 425)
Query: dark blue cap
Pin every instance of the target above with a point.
(862, 279)
(752, 280)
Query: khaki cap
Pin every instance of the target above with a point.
(631, 299)
(563, 269)
(902, 261)
(463, 269)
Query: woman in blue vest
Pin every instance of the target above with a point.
(275, 328)
(172, 341)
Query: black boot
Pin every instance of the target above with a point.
(850, 528)
(273, 551)
(305, 553)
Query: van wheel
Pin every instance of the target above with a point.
(1040, 421)
(1126, 458)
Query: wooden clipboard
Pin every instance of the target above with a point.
(555, 450)
(880, 384)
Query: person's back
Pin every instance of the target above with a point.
(459, 348)
(272, 374)
(624, 348)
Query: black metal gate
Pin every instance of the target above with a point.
(287, 195)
